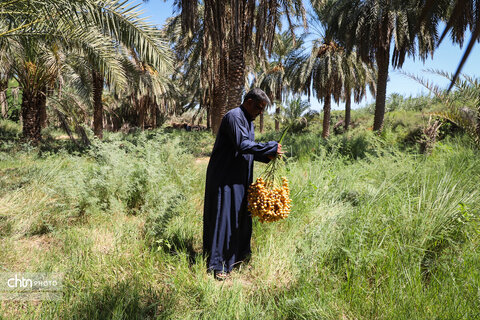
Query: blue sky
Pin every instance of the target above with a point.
(446, 58)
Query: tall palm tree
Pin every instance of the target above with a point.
(233, 33)
(193, 88)
(371, 26)
(329, 71)
(131, 97)
(35, 67)
(99, 29)
(243, 38)
(153, 50)
(37, 64)
(272, 77)
(145, 87)
(91, 62)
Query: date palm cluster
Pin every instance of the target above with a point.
(269, 196)
(267, 202)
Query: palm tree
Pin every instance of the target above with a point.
(132, 95)
(152, 50)
(370, 26)
(97, 29)
(56, 18)
(35, 67)
(145, 87)
(272, 77)
(242, 38)
(293, 114)
(233, 33)
(192, 88)
(330, 72)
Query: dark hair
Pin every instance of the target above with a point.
(258, 95)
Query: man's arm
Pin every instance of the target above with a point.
(266, 159)
(238, 134)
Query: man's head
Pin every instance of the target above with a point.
(255, 102)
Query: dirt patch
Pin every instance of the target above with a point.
(202, 160)
(27, 253)
(39, 242)
(62, 137)
(103, 241)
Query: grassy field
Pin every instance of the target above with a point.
(377, 230)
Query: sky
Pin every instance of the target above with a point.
(446, 58)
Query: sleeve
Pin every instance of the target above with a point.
(238, 134)
(261, 158)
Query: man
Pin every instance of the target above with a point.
(227, 225)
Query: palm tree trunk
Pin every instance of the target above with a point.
(236, 76)
(3, 98)
(49, 91)
(218, 107)
(261, 122)
(31, 105)
(278, 96)
(97, 104)
(204, 106)
(215, 35)
(141, 112)
(148, 109)
(209, 120)
(3, 103)
(348, 102)
(43, 112)
(326, 116)
(277, 117)
(383, 57)
(219, 100)
(154, 111)
(65, 126)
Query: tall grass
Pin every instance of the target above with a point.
(375, 233)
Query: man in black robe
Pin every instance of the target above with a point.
(227, 225)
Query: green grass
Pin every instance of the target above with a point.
(377, 231)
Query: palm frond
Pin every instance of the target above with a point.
(462, 116)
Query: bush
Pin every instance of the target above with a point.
(116, 176)
(9, 130)
(356, 144)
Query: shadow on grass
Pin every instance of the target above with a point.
(12, 141)
(54, 146)
(123, 300)
(179, 241)
(179, 244)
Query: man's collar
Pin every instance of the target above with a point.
(247, 115)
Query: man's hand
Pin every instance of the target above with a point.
(279, 152)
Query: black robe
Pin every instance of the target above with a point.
(227, 225)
